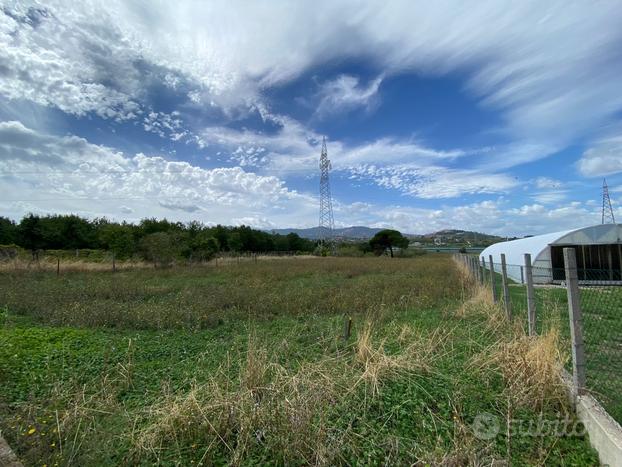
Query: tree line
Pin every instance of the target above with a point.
(149, 239)
(162, 241)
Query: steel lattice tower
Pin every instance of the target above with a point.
(327, 222)
(608, 217)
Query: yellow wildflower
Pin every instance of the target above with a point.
(31, 431)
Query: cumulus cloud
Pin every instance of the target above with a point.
(603, 158)
(70, 174)
(54, 62)
(491, 216)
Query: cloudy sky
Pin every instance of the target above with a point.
(501, 117)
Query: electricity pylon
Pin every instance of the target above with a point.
(327, 222)
(608, 217)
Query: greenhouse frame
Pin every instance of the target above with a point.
(598, 251)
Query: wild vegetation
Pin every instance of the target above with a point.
(247, 364)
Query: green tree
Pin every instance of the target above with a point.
(388, 239)
(203, 246)
(118, 238)
(235, 242)
(30, 232)
(8, 231)
(159, 247)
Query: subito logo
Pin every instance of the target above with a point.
(485, 426)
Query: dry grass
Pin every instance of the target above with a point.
(280, 410)
(530, 365)
(49, 264)
(531, 369)
(417, 354)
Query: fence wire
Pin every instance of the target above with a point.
(600, 298)
(601, 306)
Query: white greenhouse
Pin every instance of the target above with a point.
(598, 250)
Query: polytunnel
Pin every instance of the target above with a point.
(598, 251)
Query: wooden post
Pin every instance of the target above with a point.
(495, 298)
(576, 324)
(483, 270)
(522, 275)
(347, 328)
(480, 271)
(506, 290)
(531, 297)
(114, 265)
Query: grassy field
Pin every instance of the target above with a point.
(246, 365)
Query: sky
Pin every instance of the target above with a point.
(499, 117)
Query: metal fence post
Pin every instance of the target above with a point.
(506, 290)
(576, 324)
(531, 298)
(492, 280)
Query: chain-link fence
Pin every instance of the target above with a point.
(599, 301)
(601, 308)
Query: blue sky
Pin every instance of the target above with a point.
(500, 117)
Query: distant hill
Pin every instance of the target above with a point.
(313, 233)
(455, 236)
(448, 236)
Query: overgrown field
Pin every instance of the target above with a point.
(247, 365)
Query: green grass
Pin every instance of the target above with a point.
(245, 364)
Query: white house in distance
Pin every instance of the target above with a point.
(598, 249)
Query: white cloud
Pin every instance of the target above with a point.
(547, 183)
(552, 68)
(51, 174)
(405, 165)
(434, 182)
(77, 68)
(345, 93)
(69, 174)
(490, 216)
(603, 158)
(550, 197)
